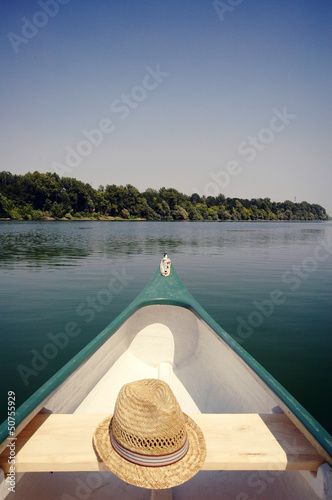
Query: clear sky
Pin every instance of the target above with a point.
(230, 96)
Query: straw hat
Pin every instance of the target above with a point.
(149, 441)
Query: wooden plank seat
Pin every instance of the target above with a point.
(63, 442)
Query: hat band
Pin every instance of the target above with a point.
(149, 460)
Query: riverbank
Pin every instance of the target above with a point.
(69, 219)
(140, 219)
(40, 196)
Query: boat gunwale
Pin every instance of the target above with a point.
(158, 292)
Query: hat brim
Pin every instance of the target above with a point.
(152, 477)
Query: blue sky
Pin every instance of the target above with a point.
(231, 97)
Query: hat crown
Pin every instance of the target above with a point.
(148, 419)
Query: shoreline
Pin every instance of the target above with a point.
(119, 219)
(73, 219)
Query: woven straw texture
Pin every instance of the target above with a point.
(148, 420)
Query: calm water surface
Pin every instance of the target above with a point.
(52, 271)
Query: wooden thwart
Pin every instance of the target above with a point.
(61, 442)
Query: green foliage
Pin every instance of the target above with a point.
(180, 213)
(35, 196)
(125, 214)
(58, 210)
(5, 206)
(37, 215)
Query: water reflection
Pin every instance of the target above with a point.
(23, 246)
(36, 245)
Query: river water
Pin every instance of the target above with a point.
(267, 284)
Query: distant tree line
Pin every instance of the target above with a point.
(37, 196)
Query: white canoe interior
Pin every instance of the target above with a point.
(207, 377)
